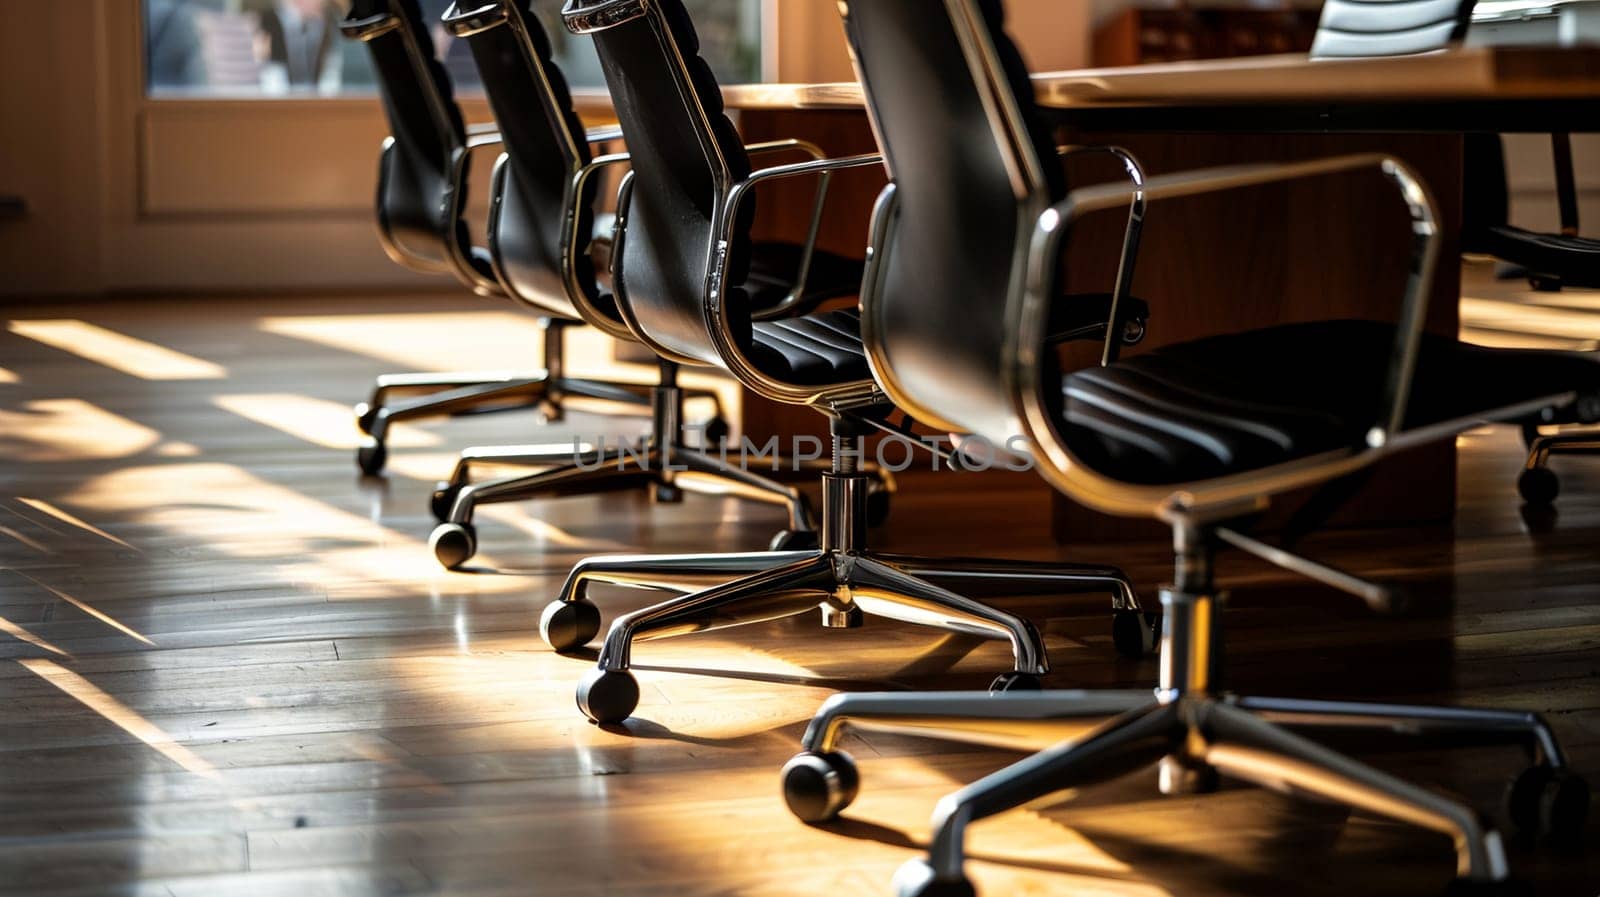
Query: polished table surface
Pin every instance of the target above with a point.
(1485, 73)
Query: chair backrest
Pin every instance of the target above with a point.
(545, 145)
(1350, 28)
(972, 167)
(426, 132)
(685, 156)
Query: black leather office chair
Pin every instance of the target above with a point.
(682, 252)
(421, 204)
(543, 211)
(1550, 261)
(1352, 28)
(1200, 434)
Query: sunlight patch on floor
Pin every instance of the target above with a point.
(54, 430)
(118, 351)
(119, 714)
(44, 507)
(20, 634)
(466, 340)
(1536, 321)
(470, 340)
(87, 608)
(235, 513)
(317, 421)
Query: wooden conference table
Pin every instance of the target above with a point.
(1335, 247)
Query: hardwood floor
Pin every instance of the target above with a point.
(229, 666)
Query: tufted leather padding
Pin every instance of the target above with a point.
(1576, 260)
(545, 144)
(774, 267)
(816, 349)
(413, 21)
(1239, 402)
(418, 167)
(680, 160)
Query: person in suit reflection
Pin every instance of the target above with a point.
(172, 45)
(300, 36)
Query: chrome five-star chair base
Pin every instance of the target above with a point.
(841, 578)
(665, 464)
(1194, 732)
(412, 396)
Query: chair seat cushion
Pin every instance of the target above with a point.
(1576, 260)
(1239, 402)
(775, 266)
(811, 350)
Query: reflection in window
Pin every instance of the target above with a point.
(250, 48)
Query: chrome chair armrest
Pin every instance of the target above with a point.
(1130, 243)
(823, 168)
(575, 241)
(461, 251)
(724, 227)
(1056, 222)
(619, 226)
(768, 147)
(483, 127)
(603, 134)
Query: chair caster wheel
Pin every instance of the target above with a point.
(716, 431)
(454, 544)
(1135, 633)
(667, 494)
(371, 457)
(1549, 803)
(818, 786)
(1015, 681)
(567, 626)
(878, 507)
(1538, 485)
(366, 415)
(608, 696)
(916, 879)
(794, 540)
(443, 500)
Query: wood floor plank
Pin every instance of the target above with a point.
(244, 675)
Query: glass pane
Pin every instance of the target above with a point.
(273, 48)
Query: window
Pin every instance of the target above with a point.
(281, 48)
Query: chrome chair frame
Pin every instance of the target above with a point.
(666, 452)
(1192, 727)
(1189, 725)
(583, 469)
(840, 577)
(406, 396)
